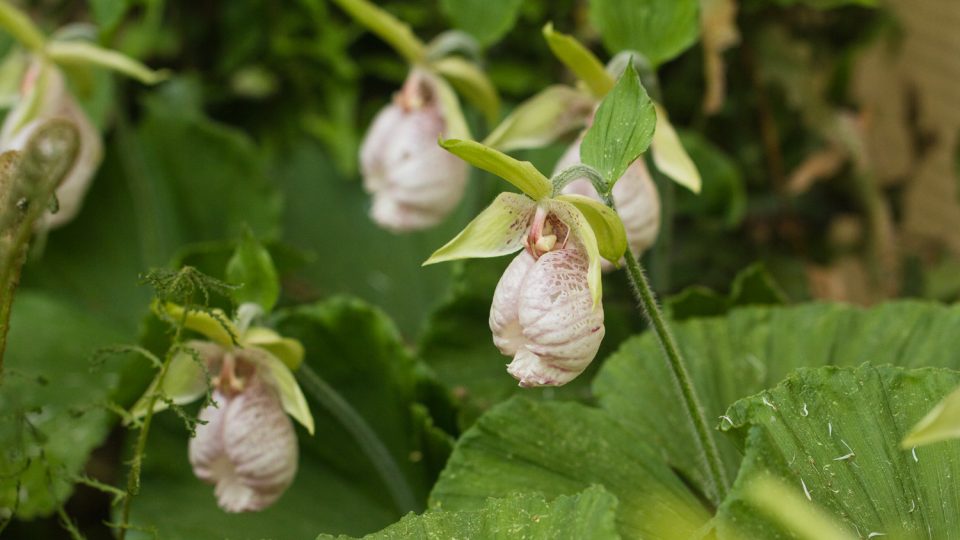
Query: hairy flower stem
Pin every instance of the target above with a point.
(703, 436)
(386, 466)
(133, 477)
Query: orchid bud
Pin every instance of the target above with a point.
(247, 447)
(634, 195)
(543, 314)
(414, 182)
(45, 96)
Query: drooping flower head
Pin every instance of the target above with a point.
(414, 182)
(546, 312)
(246, 444)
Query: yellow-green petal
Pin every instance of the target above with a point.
(184, 381)
(941, 423)
(215, 324)
(281, 378)
(456, 124)
(498, 230)
(521, 174)
(542, 119)
(606, 225)
(83, 53)
(670, 156)
(580, 60)
(573, 218)
(288, 350)
(472, 83)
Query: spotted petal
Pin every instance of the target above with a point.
(498, 230)
(578, 223)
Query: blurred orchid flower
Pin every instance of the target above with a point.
(546, 311)
(414, 183)
(247, 446)
(44, 95)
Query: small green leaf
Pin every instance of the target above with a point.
(542, 119)
(622, 128)
(472, 83)
(486, 20)
(579, 60)
(498, 230)
(252, 268)
(658, 29)
(588, 514)
(521, 174)
(82, 53)
(940, 424)
(669, 155)
(387, 27)
(606, 225)
(570, 215)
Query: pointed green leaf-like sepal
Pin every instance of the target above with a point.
(183, 383)
(606, 225)
(498, 230)
(941, 423)
(669, 155)
(83, 53)
(282, 379)
(288, 350)
(622, 128)
(387, 27)
(573, 218)
(472, 83)
(540, 120)
(580, 60)
(21, 27)
(214, 324)
(521, 174)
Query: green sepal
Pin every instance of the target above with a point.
(288, 350)
(387, 27)
(498, 230)
(940, 424)
(606, 225)
(472, 83)
(669, 155)
(521, 174)
(82, 53)
(456, 124)
(21, 27)
(183, 383)
(542, 119)
(580, 60)
(213, 324)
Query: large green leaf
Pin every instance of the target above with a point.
(52, 404)
(834, 434)
(659, 29)
(754, 348)
(486, 20)
(358, 352)
(562, 448)
(589, 514)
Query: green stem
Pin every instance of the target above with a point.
(703, 437)
(133, 478)
(386, 466)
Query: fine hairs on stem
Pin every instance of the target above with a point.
(703, 437)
